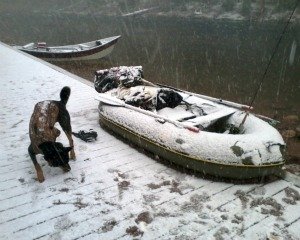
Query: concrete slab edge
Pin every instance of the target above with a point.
(85, 81)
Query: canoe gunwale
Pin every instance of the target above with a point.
(74, 54)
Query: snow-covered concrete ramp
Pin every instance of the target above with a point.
(113, 190)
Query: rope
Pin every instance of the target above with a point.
(273, 54)
(269, 63)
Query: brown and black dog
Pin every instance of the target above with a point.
(43, 134)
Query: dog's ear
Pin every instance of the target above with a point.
(47, 148)
(68, 149)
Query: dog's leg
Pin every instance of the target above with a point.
(65, 123)
(72, 152)
(39, 171)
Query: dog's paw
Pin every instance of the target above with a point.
(39, 173)
(41, 178)
(72, 156)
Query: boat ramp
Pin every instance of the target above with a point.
(115, 191)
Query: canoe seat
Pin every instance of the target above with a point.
(28, 46)
(209, 119)
(83, 46)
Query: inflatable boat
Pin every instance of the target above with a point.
(200, 133)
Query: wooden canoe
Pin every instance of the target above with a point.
(83, 51)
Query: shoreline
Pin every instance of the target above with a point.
(234, 17)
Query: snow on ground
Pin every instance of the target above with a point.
(113, 190)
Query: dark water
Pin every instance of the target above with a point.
(219, 58)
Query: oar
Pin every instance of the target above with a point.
(107, 99)
(224, 102)
(216, 100)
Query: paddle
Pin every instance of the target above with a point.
(107, 99)
(216, 100)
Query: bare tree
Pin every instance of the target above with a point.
(262, 7)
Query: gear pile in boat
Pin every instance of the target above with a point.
(130, 87)
(123, 76)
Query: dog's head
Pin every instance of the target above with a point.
(56, 154)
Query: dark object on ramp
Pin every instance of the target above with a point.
(86, 136)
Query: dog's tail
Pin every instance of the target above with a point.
(65, 94)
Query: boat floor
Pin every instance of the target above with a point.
(115, 191)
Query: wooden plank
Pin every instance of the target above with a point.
(128, 207)
(275, 223)
(28, 220)
(294, 228)
(94, 148)
(139, 206)
(24, 196)
(86, 194)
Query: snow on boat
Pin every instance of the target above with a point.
(200, 132)
(84, 51)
